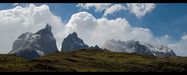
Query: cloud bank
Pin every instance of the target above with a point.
(15, 21)
(97, 31)
(180, 47)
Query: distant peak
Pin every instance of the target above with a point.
(73, 42)
(74, 34)
(46, 30)
(48, 27)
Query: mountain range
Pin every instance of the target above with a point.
(138, 48)
(32, 45)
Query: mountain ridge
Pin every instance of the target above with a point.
(138, 47)
(32, 45)
(73, 42)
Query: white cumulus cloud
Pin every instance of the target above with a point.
(180, 47)
(98, 6)
(96, 31)
(140, 9)
(15, 4)
(184, 37)
(83, 23)
(114, 8)
(30, 18)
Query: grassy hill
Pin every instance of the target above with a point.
(93, 61)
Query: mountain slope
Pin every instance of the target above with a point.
(72, 42)
(93, 60)
(29, 45)
(138, 48)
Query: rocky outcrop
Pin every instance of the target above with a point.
(29, 45)
(72, 42)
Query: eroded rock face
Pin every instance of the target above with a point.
(29, 45)
(72, 42)
(138, 48)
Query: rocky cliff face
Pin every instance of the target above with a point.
(138, 48)
(29, 45)
(73, 42)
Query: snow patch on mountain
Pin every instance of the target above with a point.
(138, 48)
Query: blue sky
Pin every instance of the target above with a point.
(167, 19)
(163, 19)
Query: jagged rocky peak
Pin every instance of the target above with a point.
(74, 34)
(138, 48)
(29, 45)
(46, 30)
(73, 42)
(96, 46)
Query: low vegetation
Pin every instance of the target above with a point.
(93, 60)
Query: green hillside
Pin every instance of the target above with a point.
(93, 61)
